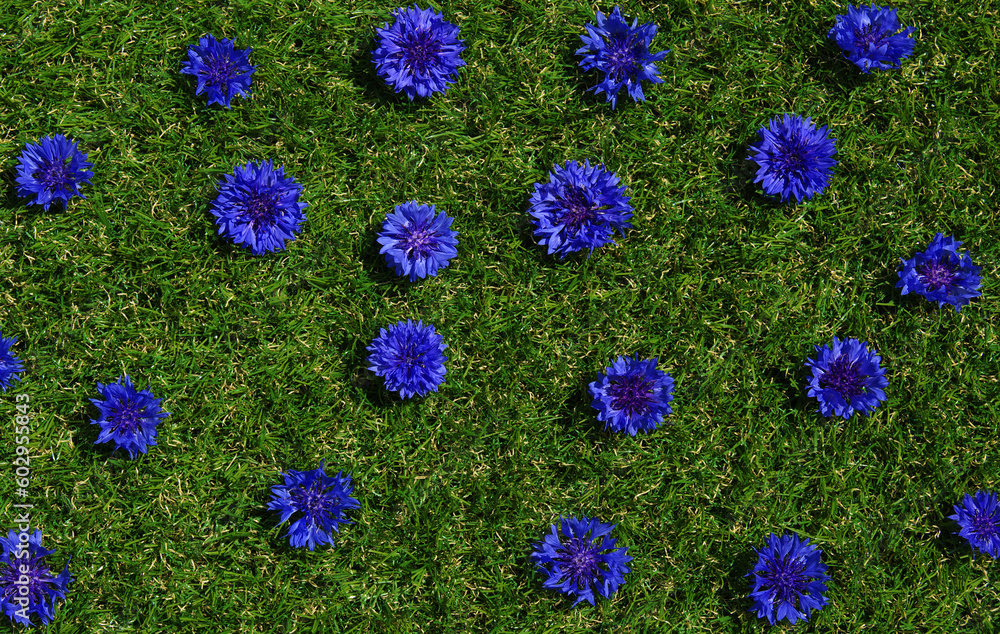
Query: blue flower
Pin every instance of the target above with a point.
(979, 519)
(941, 274)
(128, 417)
(579, 208)
(621, 52)
(870, 37)
(319, 498)
(24, 558)
(846, 378)
(258, 207)
(10, 366)
(416, 242)
(52, 169)
(788, 579)
(420, 53)
(580, 557)
(794, 158)
(221, 70)
(633, 395)
(410, 356)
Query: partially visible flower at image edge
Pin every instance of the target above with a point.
(320, 499)
(43, 589)
(632, 395)
(416, 242)
(258, 207)
(794, 158)
(222, 70)
(579, 208)
(846, 378)
(52, 169)
(979, 520)
(579, 557)
(788, 579)
(419, 54)
(941, 274)
(11, 367)
(128, 417)
(621, 52)
(410, 358)
(870, 37)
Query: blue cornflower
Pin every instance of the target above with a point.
(795, 158)
(979, 519)
(788, 579)
(128, 417)
(579, 208)
(870, 37)
(416, 242)
(410, 356)
(846, 378)
(621, 52)
(941, 274)
(320, 499)
(221, 70)
(259, 207)
(420, 53)
(10, 366)
(52, 169)
(23, 559)
(579, 557)
(633, 395)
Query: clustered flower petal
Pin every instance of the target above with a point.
(621, 52)
(632, 395)
(129, 418)
(795, 158)
(10, 366)
(321, 500)
(23, 558)
(870, 37)
(979, 519)
(222, 70)
(579, 557)
(846, 378)
(788, 579)
(52, 169)
(258, 207)
(410, 357)
(416, 242)
(941, 274)
(420, 53)
(579, 208)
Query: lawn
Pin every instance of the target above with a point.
(262, 360)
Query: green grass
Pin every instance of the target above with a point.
(261, 360)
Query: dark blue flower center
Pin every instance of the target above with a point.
(792, 156)
(843, 376)
(410, 356)
(631, 395)
(940, 273)
(126, 417)
(53, 174)
(38, 575)
(261, 207)
(785, 578)
(313, 501)
(623, 57)
(868, 37)
(219, 71)
(421, 48)
(419, 241)
(984, 526)
(577, 210)
(581, 561)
